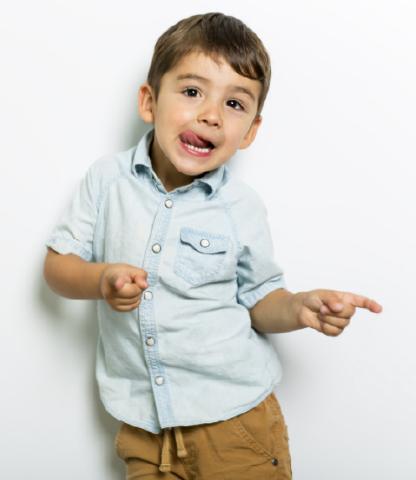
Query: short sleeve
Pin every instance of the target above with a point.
(75, 231)
(257, 271)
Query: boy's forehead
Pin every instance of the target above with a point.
(212, 70)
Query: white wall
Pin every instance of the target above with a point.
(334, 162)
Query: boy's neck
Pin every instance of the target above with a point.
(169, 177)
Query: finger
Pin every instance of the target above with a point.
(310, 319)
(312, 300)
(331, 302)
(347, 311)
(324, 301)
(330, 330)
(324, 309)
(129, 291)
(127, 308)
(331, 308)
(363, 302)
(140, 280)
(117, 282)
(339, 322)
(126, 301)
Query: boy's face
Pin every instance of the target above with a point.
(199, 102)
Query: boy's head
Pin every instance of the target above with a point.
(206, 86)
(214, 34)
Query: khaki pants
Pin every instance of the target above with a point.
(251, 446)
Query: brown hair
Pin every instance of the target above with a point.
(214, 34)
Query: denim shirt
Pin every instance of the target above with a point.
(188, 354)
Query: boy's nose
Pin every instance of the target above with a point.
(210, 114)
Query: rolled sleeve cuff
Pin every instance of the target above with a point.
(69, 245)
(249, 299)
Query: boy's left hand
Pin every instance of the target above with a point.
(330, 311)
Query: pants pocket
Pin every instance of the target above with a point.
(263, 430)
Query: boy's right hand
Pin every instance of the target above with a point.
(121, 286)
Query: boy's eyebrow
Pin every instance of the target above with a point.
(194, 76)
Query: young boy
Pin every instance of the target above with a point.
(180, 258)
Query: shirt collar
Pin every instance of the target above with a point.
(141, 161)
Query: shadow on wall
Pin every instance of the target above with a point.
(134, 130)
(76, 322)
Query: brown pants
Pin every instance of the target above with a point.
(251, 446)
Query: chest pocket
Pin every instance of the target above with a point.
(201, 256)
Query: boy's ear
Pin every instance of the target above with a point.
(146, 103)
(251, 134)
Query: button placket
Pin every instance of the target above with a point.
(151, 264)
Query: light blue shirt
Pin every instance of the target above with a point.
(188, 354)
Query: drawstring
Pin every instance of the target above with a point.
(180, 447)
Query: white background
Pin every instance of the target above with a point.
(334, 162)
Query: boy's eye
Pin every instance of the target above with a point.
(240, 107)
(189, 89)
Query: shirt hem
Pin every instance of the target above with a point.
(228, 416)
(184, 423)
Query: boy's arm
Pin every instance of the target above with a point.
(119, 284)
(274, 313)
(328, 311)
(71, 276)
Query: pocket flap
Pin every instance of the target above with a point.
(204, 242)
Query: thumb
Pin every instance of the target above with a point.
(118, 281)
(140, 280)
(330, 302)
(323, 301)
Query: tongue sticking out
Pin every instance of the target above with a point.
(191, 138)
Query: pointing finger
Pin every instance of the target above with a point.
(363, 302)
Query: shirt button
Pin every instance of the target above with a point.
(168, 203)
(150, 341)
(159, 380)
(204, 242)
(156, 248)
(148, 295)
(275, 461)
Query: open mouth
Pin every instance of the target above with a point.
(195, 143)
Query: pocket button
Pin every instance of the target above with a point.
(203, 256)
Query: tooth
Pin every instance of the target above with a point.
(198, 149)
